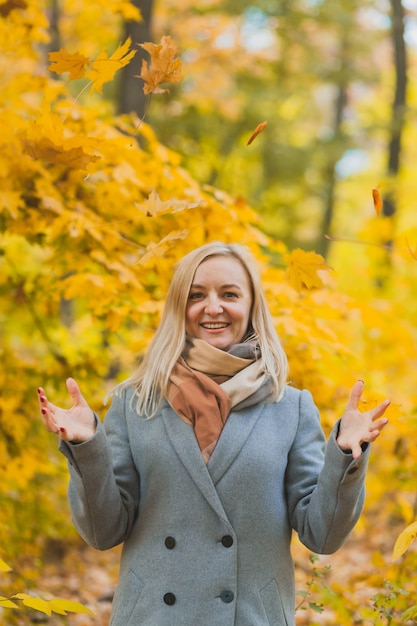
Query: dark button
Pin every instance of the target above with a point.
(352, 470)
(227, 541)
(169, 598)
(170, 543)
(227, 596)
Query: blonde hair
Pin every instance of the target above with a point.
(151, 378)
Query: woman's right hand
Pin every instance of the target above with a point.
(76, 424)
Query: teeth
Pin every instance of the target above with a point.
(214, 325)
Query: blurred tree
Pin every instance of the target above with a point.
(130, 97)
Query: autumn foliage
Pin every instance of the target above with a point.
(94, 213)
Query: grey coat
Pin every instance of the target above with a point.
(210, 545)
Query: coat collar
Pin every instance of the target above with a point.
(235, 432)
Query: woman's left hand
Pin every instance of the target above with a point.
(357, 427)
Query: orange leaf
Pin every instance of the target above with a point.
(256, 132)
(163, 68)
(104, 68)
(63, 61)
(377, 200)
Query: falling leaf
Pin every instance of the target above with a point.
(156, 250)
(163, 67)
(103, 68)
(153, 205)
(256, 132)
(303, 268)
(404, 540)
(377, 200)
(63, 61)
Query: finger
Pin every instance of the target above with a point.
(356, 451)
(75, 392)
(49, 420)
(380, 409)
(355, 395)
(378, 425)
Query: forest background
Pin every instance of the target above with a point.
(110, 172)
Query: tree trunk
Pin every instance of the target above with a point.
(330, 173)
(399, 103)
(131, 97)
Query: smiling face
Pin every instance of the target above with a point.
(219, 302)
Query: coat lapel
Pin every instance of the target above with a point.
(185, 444)
(235, 432)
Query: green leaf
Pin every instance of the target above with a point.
(317, 608)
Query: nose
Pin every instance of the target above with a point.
(213, 306)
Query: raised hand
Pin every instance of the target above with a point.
(76, 424)
(357, 427)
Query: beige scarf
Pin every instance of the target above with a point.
(206, 383)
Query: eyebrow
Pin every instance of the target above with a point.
(226, 286)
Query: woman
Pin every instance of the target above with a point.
(208, 459)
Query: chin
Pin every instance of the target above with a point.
(220, 345)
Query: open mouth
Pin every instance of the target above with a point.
(214, 325)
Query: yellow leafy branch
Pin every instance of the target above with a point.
(60, 606)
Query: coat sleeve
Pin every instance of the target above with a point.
(325, 486)
(104, 484)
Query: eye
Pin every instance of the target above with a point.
(230, 295)
(195, 296)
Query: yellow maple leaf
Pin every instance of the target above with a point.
(63, 61)
(153, 205)
(163, 68)
(155, 250)
(404, 540)
(303, 268)
(103, 68)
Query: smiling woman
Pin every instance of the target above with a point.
(208, 460)
(217, 311)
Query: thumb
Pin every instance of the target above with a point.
(75, 392)
(355, 395)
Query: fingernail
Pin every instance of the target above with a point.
(62, 430)
(39, 390)
(42, 398)
(43, 411)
